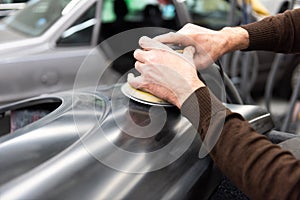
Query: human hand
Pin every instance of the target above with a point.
(209, 44)
(296, 112)
(165, 73)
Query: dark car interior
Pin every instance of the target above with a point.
(18, 116)
(128, 16)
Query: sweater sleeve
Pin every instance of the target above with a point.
(279, 33)
(262, 170)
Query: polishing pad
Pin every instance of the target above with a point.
(143, 97)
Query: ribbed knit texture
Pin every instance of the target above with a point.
(257, 167)
(262, 36)
(200, 107)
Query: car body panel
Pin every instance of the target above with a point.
(57, 155)
(76, 151)
(53, 71)
(8, 35)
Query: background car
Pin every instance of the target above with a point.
(8, 7)
(43, 45)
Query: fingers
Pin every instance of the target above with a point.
(188, 53)
(156, 57)
(167, 38)
(148, 44)
(138, 66)
(135, 82)
(190, 28)
(140, 55)
(130, 77)
(175, 38)
(145, 57)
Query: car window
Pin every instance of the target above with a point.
(212, 14)
(8, 7)
(120, 15)
(36, 18)
(81, 31)
(13, 1)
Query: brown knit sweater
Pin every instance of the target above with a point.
(259, 168)
(280, 33)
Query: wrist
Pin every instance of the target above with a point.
(235, 38)
(195, 85)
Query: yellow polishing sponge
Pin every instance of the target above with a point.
(142, 97)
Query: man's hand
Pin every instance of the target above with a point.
(165, 73)
(209, 44)
(296, 113)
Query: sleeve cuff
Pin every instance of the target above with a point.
(200, 107)
(259, 35)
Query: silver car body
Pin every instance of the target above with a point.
(71, 152)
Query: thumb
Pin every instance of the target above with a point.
(189, 53)
(148, 44)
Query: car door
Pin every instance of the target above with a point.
(75, 45)
(53, 66)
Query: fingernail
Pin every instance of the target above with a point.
(130, 76)
(190, 49)
(136, 52)
(143, 39)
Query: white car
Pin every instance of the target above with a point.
(8, 7)
(43, 45)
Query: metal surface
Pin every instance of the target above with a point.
(60, 154)
(258, 117)
(66, 153)
(102, 145)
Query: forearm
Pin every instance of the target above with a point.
(259, 168)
